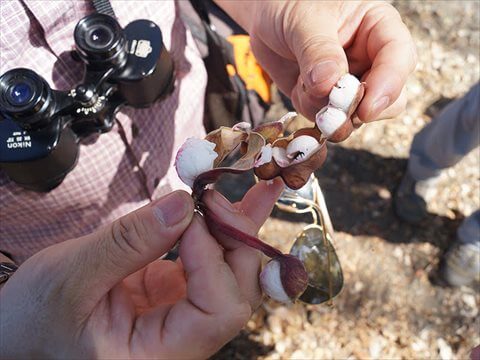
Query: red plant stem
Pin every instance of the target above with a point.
(230, 231)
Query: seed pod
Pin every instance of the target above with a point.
(268, 170)
(194, 157)
(334, 120)
(284, 278)
(342, 133)
(297, 175)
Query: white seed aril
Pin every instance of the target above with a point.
(242, 126)
(288, 116)
(344, 92)
(271, 282)
(300, 148)
(265, 155)
(330, 119)
(280, 156)
(194, 157)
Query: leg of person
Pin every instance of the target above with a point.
(439, 145)
(447, 138)
(461, 265)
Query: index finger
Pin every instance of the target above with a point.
(391, 48)
(214, 310)
(247, 216)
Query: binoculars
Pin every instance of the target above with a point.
(40, 128)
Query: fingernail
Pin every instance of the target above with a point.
(378, 106)
(275, 183)
(356, 122)
(171, 209)
(322, 72)
(278, 182)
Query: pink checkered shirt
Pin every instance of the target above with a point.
(106, 183)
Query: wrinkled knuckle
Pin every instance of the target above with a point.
(289, 14)
(319, 41)
(127, 234)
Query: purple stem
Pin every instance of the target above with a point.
(230, 231)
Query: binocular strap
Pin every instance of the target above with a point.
(103, 7)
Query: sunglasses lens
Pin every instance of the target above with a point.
(321, 262)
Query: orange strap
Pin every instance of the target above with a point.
(248, 69)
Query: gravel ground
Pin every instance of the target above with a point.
(393, 304)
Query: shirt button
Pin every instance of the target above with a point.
(135, 131)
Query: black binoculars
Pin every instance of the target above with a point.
(40, 127)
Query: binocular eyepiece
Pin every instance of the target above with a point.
(127, 66)
(26, 97)
(100, 42)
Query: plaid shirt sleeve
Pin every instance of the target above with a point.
(119, 171)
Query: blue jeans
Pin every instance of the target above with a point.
(444, 142)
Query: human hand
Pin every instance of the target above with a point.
(306, 46)
(107, 295)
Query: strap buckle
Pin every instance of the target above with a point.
(6, 271)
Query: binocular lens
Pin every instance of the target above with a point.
(100, 41)
(99, 37)
(20, 94)
(25, 96)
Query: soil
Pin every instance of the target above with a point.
(393, 304)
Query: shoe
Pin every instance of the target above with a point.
(461, 264)
(410, 199)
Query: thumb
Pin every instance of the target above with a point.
(320, 56)
(133, 241)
